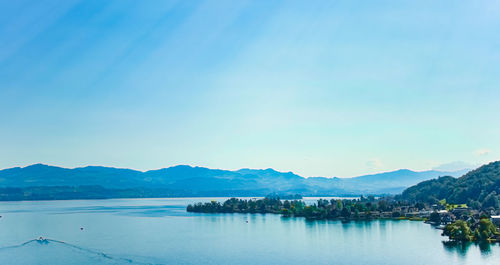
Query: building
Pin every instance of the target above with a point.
(495, 219)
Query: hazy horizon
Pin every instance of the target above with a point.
(216, 168)
(333, 88)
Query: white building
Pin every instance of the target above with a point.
(495, 219)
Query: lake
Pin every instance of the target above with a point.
(160, 231)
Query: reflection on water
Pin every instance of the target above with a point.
(160, 231)
(461, 248)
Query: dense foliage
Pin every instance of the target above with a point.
(461, 230)
(480, 188)
(322, 209)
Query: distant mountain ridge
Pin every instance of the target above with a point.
(191, 181)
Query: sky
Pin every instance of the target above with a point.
(320, 88)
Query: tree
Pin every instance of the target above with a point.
(491, 200)
(485, 230)
(346, 212)
(435, 217)
(382, 205)
(458, 231)
(285, 212)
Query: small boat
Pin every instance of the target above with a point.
(42, 240)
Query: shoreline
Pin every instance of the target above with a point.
(176, 197)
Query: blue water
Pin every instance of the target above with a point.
(160, 231)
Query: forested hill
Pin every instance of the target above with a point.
(479, 188)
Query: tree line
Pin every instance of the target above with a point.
(364, 207)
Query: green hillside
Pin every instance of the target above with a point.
(479, 188)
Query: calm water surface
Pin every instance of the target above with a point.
(160, 231)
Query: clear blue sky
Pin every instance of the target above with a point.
(321, 88)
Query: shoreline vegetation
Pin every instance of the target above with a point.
(466, 208)
(459, 223)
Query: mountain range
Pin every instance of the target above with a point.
(182, 180)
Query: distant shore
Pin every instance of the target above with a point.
(98, 192)
(312, 198)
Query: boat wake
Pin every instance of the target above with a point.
(47, 244)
